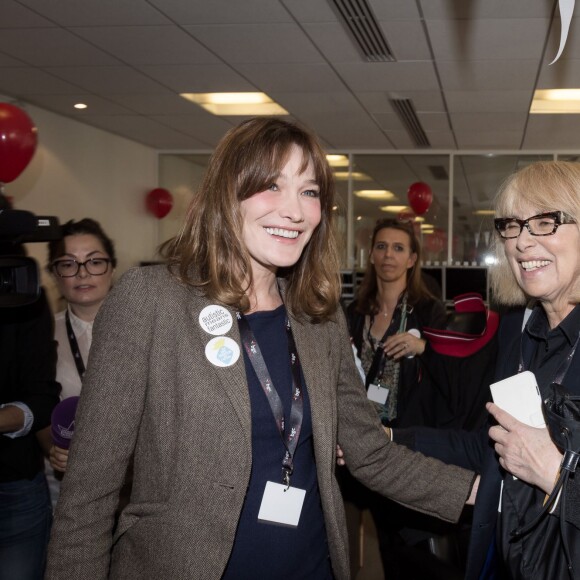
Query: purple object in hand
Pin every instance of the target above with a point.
(63, 422)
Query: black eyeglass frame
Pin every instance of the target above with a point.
(54, 266)
(560, 218)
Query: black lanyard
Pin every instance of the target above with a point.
(74, 346)
(378, 363)
(289, 438)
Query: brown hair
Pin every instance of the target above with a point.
(366, 300)
(547, 186)
(86, 226)
(208, 251)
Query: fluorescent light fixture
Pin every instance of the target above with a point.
(344, 175)
(337, 160)
(556, 101)
(382, 194)
(236, 104)
(394, 208)
(419, 219)
(80, 106)
(484, 212)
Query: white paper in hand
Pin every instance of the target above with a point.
(520, 397)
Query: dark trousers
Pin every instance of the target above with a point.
(25, 521)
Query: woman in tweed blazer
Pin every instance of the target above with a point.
(174, 382)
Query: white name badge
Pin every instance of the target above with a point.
(378, 394)
(281, 505)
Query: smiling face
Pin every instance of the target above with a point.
(279, 221)
(84, 291)
(392, 256)
(546, 267)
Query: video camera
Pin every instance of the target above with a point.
(19, 276)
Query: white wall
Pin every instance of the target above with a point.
(80, 171)
(181, 177)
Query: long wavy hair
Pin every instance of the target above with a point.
(366, 300)
(546, 186)
(208, 253)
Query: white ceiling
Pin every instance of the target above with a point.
(470, 68)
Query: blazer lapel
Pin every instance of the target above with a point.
(232, 378)
(312, 342)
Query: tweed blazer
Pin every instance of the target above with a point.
(150, 392)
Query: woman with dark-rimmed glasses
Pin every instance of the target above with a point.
(82, 264)
(538, 263)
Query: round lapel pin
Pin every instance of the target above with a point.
(215, 320)
(222, 351)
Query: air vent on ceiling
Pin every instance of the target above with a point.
(360, 21)
(438, 172)
(406, 111)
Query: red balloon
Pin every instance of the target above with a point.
(18, 139)
(420, 197)
(159, 202)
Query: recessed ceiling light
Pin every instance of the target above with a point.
(344, 176)
(556, 101)
(337, 160)
(383, 194)
(80, 106)
(394, 208)
(236, 104)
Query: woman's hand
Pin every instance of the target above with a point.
(526, 452)
(404, 344)
(473, 494)
(58, 458)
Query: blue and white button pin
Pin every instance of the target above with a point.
(222, 351)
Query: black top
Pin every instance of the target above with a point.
(410, 407)
(27, 375)
(544, 351)
(474, 450)
(268, 551)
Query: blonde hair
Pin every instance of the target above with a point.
(209, 253)
(547, 186)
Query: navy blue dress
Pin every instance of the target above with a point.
(268, 551)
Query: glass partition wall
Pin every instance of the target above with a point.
(455, 231)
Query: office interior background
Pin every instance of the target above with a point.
(399, 91)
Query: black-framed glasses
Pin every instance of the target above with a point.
(543, 224)
(69, 268)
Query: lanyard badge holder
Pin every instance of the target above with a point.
(375, 391)
(281, 503)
